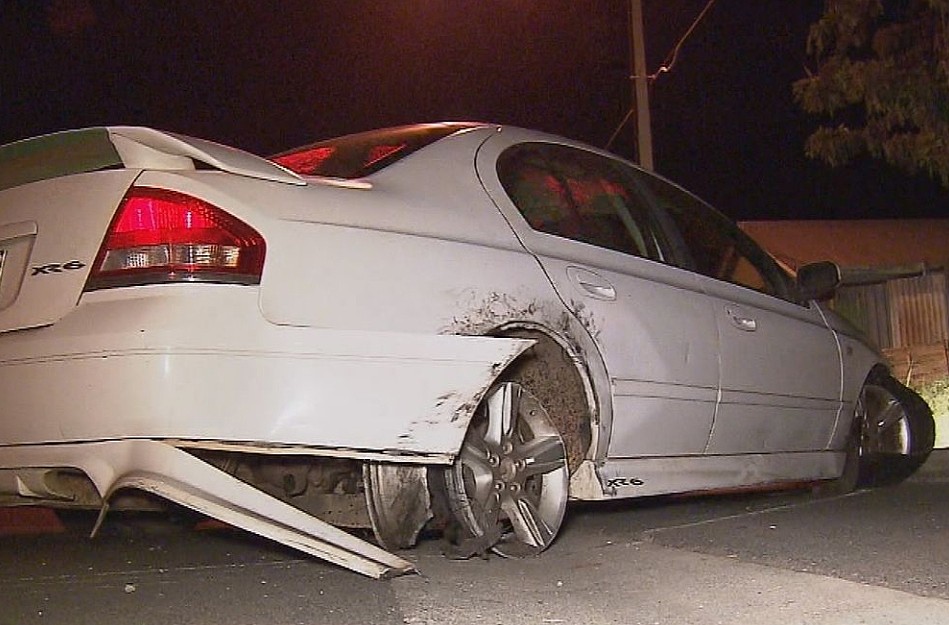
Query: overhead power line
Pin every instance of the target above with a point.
(673, 55)
(667, 66)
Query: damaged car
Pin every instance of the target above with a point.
(451, 325)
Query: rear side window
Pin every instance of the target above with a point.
(578, 195)
(358, 155)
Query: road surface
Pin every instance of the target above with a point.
(874, 557)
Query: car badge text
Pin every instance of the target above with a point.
(51, 268)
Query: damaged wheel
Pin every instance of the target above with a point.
(508, 488)
(897, 431)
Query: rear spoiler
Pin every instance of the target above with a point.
(132, 147)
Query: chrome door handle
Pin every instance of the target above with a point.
(741, 320)
(591, 283)
(745, 323)
(598, 291)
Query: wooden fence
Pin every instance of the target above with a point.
(919, 364)
(902, 312)
(908, 318)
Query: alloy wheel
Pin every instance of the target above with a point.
(510, 483)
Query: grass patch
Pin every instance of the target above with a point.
(936, 395)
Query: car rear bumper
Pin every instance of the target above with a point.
(199, 363)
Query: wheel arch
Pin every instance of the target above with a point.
(565, 375)
(859, 364)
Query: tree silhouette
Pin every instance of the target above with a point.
(882, 82)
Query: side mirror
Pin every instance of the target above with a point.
(818, 280)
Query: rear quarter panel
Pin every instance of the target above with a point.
(418, 247)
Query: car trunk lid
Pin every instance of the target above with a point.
(52, 217)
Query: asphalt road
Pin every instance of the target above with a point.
(874, 557)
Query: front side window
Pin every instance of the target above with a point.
(718, 248)
(578, 195)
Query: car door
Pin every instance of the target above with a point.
(780, 362)
(581, 217)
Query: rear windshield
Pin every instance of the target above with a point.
(358, 155)
(59, 154)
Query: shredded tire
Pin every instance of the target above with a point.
(888, 469)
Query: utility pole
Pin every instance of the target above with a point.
(640, 84)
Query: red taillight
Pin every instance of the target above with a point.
(165, 236)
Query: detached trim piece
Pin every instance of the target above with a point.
(313, 383)
(161, 469)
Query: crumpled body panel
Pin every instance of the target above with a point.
(161, 469)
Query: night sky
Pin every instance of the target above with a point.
(266, 76)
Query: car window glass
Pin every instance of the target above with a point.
(578, 195)
(718, 248)
(362, 154)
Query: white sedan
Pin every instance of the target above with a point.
(458, 326)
